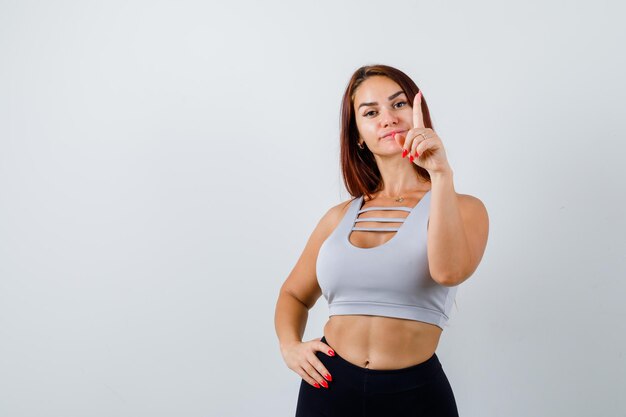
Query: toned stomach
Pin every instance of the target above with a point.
(382, 343)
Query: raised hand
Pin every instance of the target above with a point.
(422, 144)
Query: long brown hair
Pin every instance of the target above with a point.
(360, 171)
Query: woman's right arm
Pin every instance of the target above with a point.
(297, 296)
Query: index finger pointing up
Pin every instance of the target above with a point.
(418, 118)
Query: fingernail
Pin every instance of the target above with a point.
(325, 384)
(328, 377)
(331, 353)
(417, 155)
(411, 158)
(316, 385)
(404, 152)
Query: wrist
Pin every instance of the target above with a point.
(284, 345)
(441, 175)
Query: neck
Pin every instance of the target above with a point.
(399, 179)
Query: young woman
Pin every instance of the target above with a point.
(388, 261)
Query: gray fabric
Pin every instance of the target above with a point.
(390, 280)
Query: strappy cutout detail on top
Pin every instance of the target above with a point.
(401, 220)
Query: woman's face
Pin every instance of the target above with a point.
(381, 107)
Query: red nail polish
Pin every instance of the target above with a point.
(325, 384)
(404, 152)
(411, 158)
(328, 377)
(331, 353)
(417, 154)
(316, 385)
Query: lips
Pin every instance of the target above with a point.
(390, 134)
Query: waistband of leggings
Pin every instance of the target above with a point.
(421, 370)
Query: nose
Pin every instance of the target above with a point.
(388, 118)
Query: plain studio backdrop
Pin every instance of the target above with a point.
(163, 163)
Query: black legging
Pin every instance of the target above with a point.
(420, 390)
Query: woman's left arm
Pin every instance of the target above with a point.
(458, 224)
(457, 231)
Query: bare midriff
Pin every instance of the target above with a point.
(382, 343)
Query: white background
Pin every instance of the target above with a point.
(162, 164)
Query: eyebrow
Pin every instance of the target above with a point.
(373, 103)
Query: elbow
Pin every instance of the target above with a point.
(453, 273)
(445, 282)
(450, 279)
(288, 293)
(448, 282)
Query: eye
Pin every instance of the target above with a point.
(368, 113)
(401, 102)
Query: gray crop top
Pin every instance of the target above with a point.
(391, 279)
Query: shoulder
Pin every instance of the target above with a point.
(470, 203)
(333, 216)
(473, 211)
